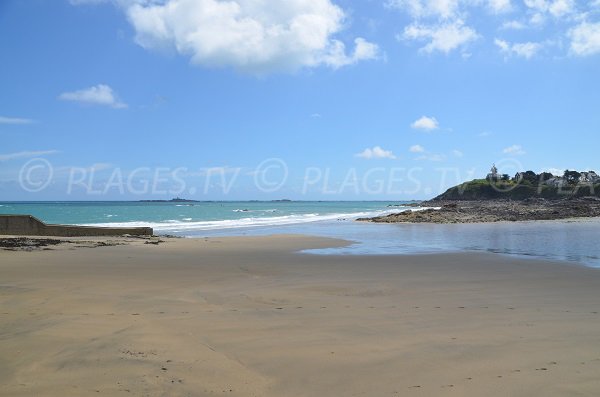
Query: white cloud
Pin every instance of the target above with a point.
(443, 37)
(500, 6)
(525, 50)
(560, 8)
(425, 123)
(250, 36)
(14, 120)
(25, 154)
(432, 157)
(457, 153)
(514, 150)
(425, 155)
(426, 8)
(513, 25)
(585, 39)
(376, 153)
(485, 134)
(557, 8)
(446, 9)
(97, 95)
(554, 171)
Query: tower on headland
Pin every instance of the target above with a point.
(493, 175)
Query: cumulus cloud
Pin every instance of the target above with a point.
(513, 25)
(97, 95)
(247, 35)
(417, 149)
(25, 154)
(444, 26)
(14, 120)
(556, 8)
(585, 39)
(539, 10)
(443, 37)
(500, 6)
(525, 50)
(376, 153)
(426, 8)
(446, 9)
(425, 123)
(514, 150)
(457, 153)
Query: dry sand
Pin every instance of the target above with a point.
(249, 317)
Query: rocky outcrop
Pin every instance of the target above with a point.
(496, 211)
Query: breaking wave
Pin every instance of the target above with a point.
(178, 226)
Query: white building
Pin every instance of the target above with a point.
(557, 181)
(589, 177)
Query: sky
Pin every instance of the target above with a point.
(298, 99)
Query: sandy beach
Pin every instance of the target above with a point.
(250, 316)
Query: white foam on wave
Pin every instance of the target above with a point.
(247, 210)
(175, 226)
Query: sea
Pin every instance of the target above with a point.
(574, 242)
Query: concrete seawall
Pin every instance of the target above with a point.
(27, 225)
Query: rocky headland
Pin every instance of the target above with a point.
(481, 211)
(525, 197)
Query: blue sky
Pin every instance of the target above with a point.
(193, 96)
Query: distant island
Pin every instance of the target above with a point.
(174, 200)
(526, 196)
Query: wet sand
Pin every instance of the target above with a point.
(249, 317)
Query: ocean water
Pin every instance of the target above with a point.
(187, 219)
(572, 241)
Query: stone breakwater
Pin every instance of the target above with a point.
(486, 211)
